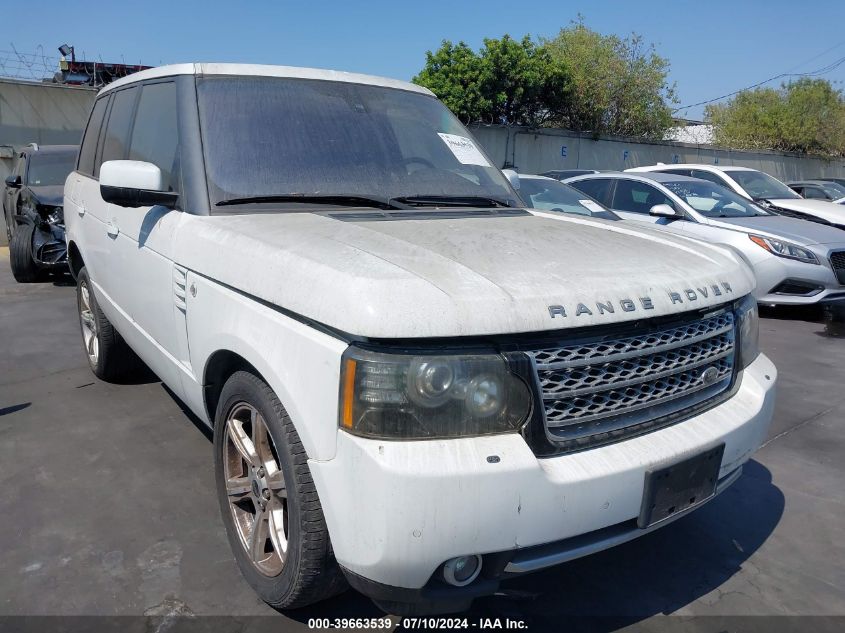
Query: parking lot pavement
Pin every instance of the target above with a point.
(107, 503)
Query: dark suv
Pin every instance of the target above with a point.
(32, 208)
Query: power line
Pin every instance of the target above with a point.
(820, 71)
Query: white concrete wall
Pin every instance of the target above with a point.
(47, 114)
(536, 151)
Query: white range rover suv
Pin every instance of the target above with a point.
(417, 387)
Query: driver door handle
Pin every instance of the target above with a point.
(111, 229)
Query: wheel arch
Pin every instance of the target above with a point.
(74, 259)
(218, 369)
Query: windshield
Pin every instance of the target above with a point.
(551, 195)
(834, 190)
(267, 137)
(761, 186)
(50, 168)
(712, 200)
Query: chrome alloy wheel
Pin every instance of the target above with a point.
(256, 489)
(89, 324)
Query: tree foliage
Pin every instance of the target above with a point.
(579, 79)
(805, 116)
(618, 85)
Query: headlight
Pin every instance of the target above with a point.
(785, 249)
(417, 396)
(749, 330)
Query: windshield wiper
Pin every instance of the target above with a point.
(451, 201)
(339, 200)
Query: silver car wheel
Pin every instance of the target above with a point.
(89, 324)
(256, 489)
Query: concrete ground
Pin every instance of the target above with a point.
(107, 503)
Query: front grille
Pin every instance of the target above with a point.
(613, 386)
(837, 260)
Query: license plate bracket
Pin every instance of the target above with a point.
(680, 486)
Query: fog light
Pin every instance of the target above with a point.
(462, 570)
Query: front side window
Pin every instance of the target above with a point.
(761, 186)
(117, 129)
(50, 168)
(155, 134)
(713, 201)
(88, 150)
(266, 137)
(551, 195)
(815, 192)
(709, 176)
(596, 188)
(638, 197)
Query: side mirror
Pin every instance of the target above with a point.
(512, 177)
(664, 211)
(13, 181)
(134, 183)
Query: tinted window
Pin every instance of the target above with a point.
(155, 136)
(637, 197)
(595, 188)
(677, 172)
(88, 151)
(117, 130)
(814, 192)
(551, 195)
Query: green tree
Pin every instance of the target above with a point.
(617, 85)
(580, 79)
(805, 116)
(507, 81)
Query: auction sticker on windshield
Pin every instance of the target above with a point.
(592, 206)
(464, 149)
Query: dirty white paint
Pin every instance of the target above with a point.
(395, 515)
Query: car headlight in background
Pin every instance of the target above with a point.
(785, 249)
(420, 396)
(748, 320)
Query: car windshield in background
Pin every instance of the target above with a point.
(271, 140)
(551, 195)
(712, 200)
(50, 168)
(834, 190)
(761, 186)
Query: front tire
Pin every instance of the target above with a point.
(268, 501)
(24, 269)
(109, 357)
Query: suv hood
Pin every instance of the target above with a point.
(781, 227)
(462, 276)
(50, 195)
(833, 213)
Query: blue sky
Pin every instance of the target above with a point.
(714, 46)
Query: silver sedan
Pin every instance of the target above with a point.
(796, 262)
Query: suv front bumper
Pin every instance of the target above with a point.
(396, 511)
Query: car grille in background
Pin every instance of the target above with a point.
(837, 260)
(604, 389)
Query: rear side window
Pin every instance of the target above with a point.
(637, 197)
(117, 130)
(597, 189)
(88, 150)
(155, 135)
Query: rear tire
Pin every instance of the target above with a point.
(109, 357)
(263, 479)
(24, 269)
